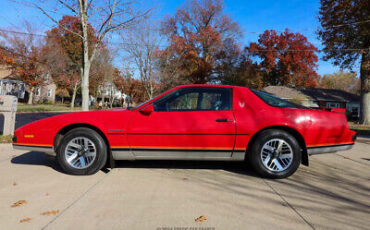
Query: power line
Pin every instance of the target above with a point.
(350, 23)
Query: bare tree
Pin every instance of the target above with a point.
(104, 16)
(141, 44)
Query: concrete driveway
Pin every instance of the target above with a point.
(333, 193)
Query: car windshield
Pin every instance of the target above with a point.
(276, 101)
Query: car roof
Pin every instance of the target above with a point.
(205, 85)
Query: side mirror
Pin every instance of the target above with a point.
(147, 110)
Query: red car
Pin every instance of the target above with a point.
(192, 122)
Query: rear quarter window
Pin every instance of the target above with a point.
(275, 101)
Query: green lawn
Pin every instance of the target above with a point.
(45, 108)
(6, 139)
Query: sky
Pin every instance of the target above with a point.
(253, 16)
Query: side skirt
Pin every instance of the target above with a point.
(157, 154)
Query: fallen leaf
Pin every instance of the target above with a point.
(25, 220)
(47, 194)
(18, 203)
(14, 184)
(347, 158)
(184, 178)
(48, 213)
(200, 219)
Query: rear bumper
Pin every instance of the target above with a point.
(328, 149)
(45, 149)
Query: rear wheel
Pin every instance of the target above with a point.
(275, 154)
(82, 152)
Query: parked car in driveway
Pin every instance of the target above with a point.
(192, 122)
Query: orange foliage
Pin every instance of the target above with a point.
(286, 58)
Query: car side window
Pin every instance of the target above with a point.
(196, 99)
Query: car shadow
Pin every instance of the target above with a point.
(235, 167)
(39, 158)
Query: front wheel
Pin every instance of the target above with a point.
(275, 154)
(82, 152)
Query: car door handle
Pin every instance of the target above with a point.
(223, 120)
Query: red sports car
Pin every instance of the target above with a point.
(192, 122)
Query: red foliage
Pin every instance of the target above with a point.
(286, 58)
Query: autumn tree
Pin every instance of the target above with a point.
(346, 81)
(195, 35)
(345, 33)
(105, 17)
(24, 59)
(235, 66)
(286, 58)
(63, 52)
(126, 83)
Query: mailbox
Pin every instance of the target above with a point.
(8, 108)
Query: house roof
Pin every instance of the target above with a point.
(330, 95)
(285, 92)
(315, 94)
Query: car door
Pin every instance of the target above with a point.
(188, 123)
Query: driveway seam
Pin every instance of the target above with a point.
(348, 158)
(75, 201)
(291, 206)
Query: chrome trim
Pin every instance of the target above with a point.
(328, 149)
(122, 155)
(47, 150)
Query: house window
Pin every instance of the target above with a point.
(38, 91)
(49, 92)
(332, 105)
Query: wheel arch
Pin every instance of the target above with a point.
(289, 130)
(60, 134)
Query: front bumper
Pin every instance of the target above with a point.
(45, 149)
(328, 149)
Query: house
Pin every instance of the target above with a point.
(319, 98)
(111, 94)
(46, 92)
(9, 85)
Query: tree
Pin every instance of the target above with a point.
(23, 57)
(62, 93)
(101, 76)
(129, 86)
(345, 33)
(195, 35)
(141, 44)
(63, 54)
(235, 67)
(346, 81)
(286, 58)
(105, 17)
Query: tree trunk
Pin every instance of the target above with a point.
(74, 95)
(365, 88)
(85, 88)
(30, 98)
(62, 100)
(85, 59)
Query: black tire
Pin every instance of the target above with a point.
(255, 159)
(101, 152)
